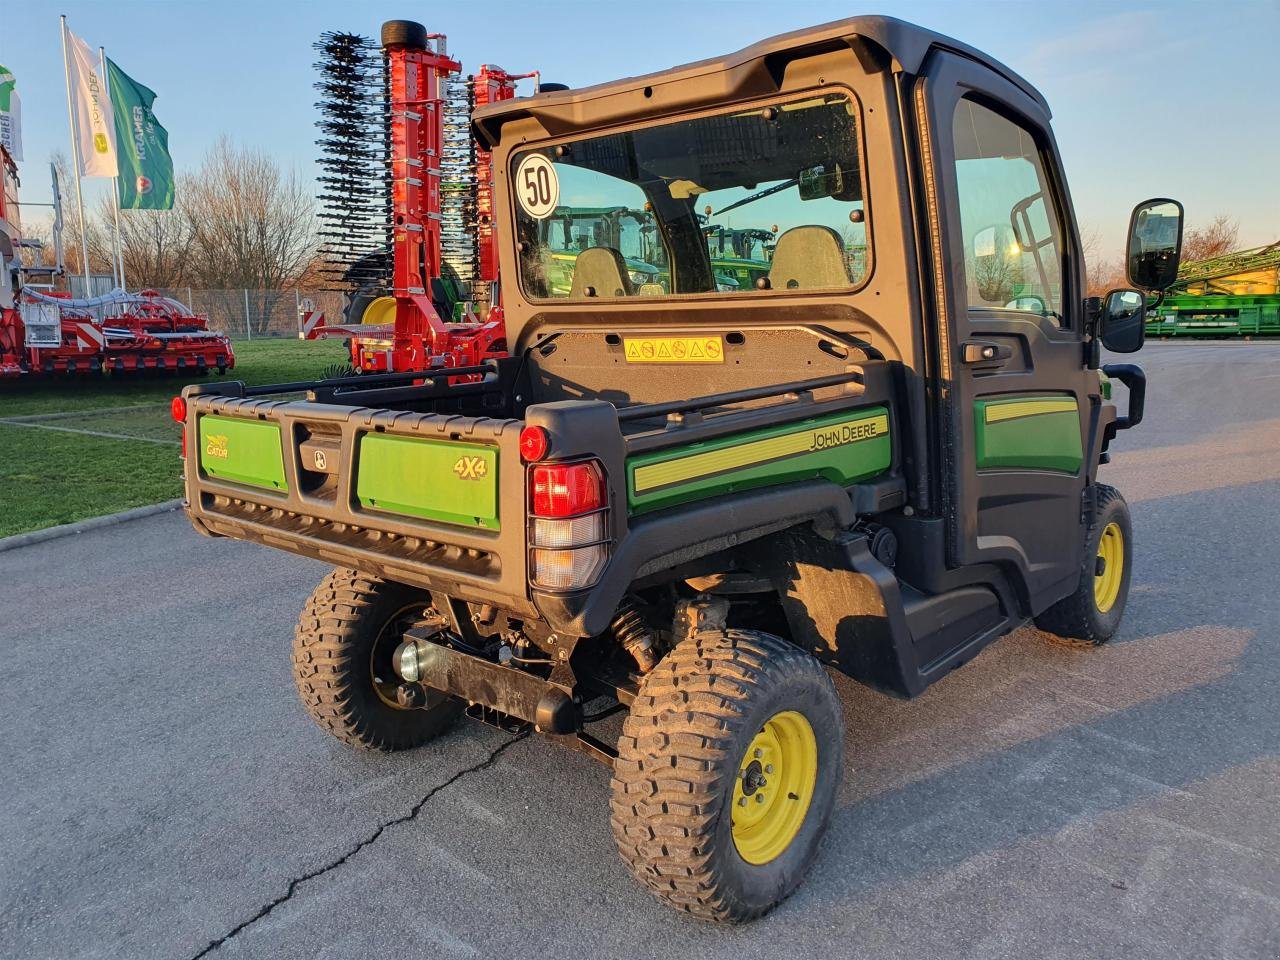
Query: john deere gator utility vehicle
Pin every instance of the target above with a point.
(686, 506)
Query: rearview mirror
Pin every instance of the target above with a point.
(1124, 321)
(1155, 244)
(819, 181)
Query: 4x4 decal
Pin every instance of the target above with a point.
(471, 468)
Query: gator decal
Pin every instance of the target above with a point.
(841, 447)
(432, 479)
(1028, 433)
(242, 451)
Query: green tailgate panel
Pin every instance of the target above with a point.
(1028, 432)
(841, 447)
(243, 451)
(432, 479)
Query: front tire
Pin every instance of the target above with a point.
(727, 772)
(342, 653)
(1090, 616)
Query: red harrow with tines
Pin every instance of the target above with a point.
(407, 202)
(48, 333)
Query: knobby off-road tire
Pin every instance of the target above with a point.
(346, 619)
(1090, 616)
(684, 766)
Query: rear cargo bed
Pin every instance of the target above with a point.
(416, 497)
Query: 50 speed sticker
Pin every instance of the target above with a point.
(537, 186)
(674, 349)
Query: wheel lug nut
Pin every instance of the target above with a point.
(758, 754)
(768, 768)
(742, 802)
(759, 798)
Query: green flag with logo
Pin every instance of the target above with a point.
(146, 169)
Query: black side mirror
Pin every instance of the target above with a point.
(1155, 244)
(1124, 321)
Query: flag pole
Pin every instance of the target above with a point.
(75, 160)
(117, 265)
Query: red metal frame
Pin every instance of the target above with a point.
(421, 337)
(492, 85)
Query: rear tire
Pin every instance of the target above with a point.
(348, 630)
(1090, 616)
(695, 814)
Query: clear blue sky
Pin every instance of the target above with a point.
(1169, 98)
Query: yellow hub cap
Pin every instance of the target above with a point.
(1106, 584)
(774, 787)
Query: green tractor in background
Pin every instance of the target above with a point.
(741, 253)
(739, 257)
(570, 230)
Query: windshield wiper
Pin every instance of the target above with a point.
(778, 188)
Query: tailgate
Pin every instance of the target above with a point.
(429, 499)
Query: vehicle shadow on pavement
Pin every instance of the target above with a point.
(1090, 777)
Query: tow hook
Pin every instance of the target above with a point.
(411, 696)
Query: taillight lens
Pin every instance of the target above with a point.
(178, 409)
(568, 529)
(567, 533)
(569, 569)
(567, 489)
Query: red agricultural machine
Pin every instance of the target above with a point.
(407, 201)
(43, 331)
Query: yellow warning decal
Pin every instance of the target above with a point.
(674, 349)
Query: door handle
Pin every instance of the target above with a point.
(985, 352)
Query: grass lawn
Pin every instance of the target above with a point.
(257, 361)
(49, 477)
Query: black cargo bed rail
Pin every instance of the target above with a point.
(328, 388)
(688, 420)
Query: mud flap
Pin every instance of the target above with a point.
(843, 606)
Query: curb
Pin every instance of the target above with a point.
(84, 526)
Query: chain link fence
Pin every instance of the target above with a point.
(240, 314)
(259, 314)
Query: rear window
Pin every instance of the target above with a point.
(742, 202)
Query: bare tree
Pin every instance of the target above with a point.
(156, 245)
(253, 226)
(1213, 240)
(996, 277)
(99, 235)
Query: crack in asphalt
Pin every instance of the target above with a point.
(334, 864)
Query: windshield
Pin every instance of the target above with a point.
(744, 202)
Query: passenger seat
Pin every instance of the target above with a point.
(808, 258)
(600, 272)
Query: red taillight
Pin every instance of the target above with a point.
(534, 444)
(567, 489)
(569, 529)
(178, 410)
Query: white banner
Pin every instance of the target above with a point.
(94, 116)
(11, 126)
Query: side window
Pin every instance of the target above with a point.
(1013, 233)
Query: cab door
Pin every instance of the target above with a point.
(1013, 400)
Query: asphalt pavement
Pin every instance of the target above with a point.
(163, 795)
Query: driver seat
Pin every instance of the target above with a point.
(600, 272)
(808, 258)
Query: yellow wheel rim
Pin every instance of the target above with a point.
(1106, 584)
(379, 311)
(774, 787)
